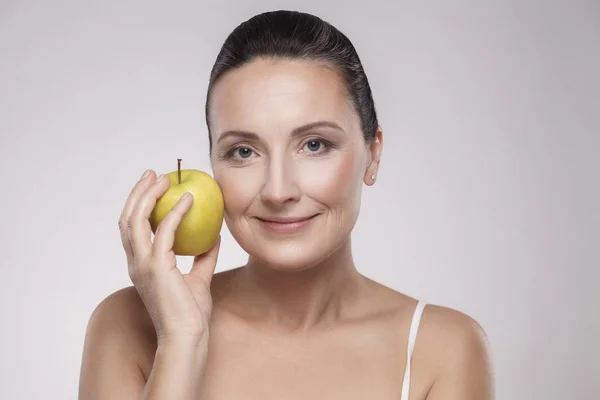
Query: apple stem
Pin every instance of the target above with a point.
(179, 171)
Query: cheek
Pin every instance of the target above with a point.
(334, 182)
(238, 187)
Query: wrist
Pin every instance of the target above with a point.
(190, 356)
(178, 368)
(186, 343)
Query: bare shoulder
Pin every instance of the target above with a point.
(122, 311)
(456, 349)
(448, 326)
(118, 349)
(452, 356)
(123, 300)
(442, 330)
(120, 322)
(120, 345)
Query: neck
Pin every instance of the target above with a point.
(299, 300)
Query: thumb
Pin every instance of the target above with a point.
(204, 264)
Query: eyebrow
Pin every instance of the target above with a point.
(296, 132)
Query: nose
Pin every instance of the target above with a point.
(280, 185)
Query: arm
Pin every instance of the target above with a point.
(164, 303)
(466, 373)
(117, 341)
(177, 372)
(109, 368)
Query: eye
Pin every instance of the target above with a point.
(239, 154)
(243, 152)
(313, 145)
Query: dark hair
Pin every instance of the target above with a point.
(298, 35)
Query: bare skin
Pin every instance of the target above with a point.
(298, 321)
(362, 357)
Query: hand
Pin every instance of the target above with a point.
(180, 305)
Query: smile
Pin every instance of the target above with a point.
(285, 225)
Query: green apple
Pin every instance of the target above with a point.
(201, 225)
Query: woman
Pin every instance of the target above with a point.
(293, 138)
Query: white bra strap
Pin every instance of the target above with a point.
(412, 337)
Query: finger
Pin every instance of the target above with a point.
(204, 264)
(142, 184)
(164, 238)
(140, 231)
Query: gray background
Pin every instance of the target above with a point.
(487, 200)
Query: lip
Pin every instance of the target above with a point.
(285, 225)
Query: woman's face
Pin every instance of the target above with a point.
(289, 155)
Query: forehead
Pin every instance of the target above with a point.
(278, 96)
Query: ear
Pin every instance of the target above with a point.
(375, 149)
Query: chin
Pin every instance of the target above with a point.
(288, 257)
(288, 252)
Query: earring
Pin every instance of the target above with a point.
(373, 178)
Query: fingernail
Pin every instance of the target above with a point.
(146, 174)
(160, 177)
(186, 195)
